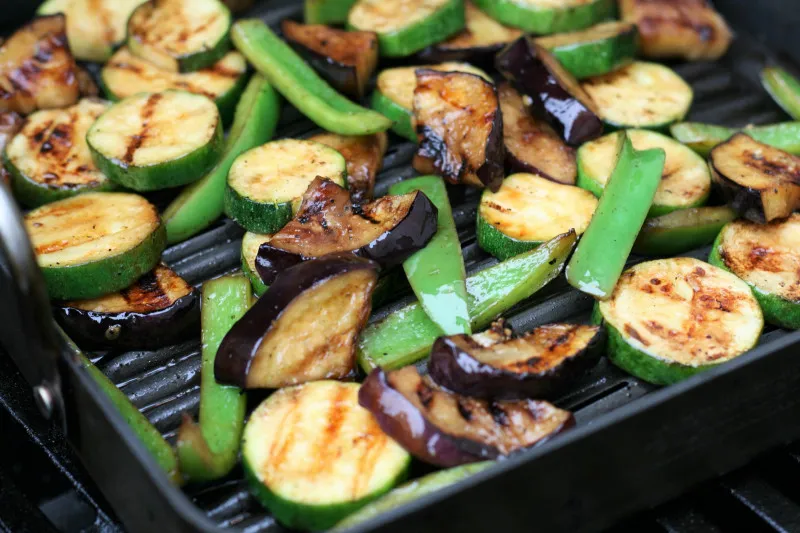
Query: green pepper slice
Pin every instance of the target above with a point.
(784, 89)
(702, 138)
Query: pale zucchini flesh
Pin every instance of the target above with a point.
(388, 17)
(481, 31)
(398, 84)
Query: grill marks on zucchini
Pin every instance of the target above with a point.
(364, 156)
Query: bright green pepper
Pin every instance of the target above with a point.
(406, 336)
(200, 203)
(326, 11)
(784, 89)
(209, 450)
(600, 257)
(682, 230)
(703, 137)
(436, 272)
(299, 84)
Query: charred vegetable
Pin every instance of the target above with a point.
(546, 16)
(364, 156)
(251, 242)
(10, 124)
(682, 230)
(702, 138)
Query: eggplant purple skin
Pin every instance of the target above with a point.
(572, 119)
(480, 56)
(456, 369)
(744, 200)
(341, 77)
(390, 249)
(240, 345)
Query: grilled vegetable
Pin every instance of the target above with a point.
(312, 455)
(546, 16)
(445, 429)
(760, 182)
(784, 89)
(386, 231)
(345, 59)
(640, 95)
(94, 28)
(266, 183)
(406, 335)
(528, 210)
(364, 156)
(304, 328)
(10, 124)
(460, 128)
(703, 137)
(202, 202)
(409, 26)
(180, 35)
(250, 245)
(49, 160)
(531, 144)
(685, 180)
(37, 70)
(689, 29)
(326, 11)
(597, 50)
(157, 140)
(766, 257)
(298, 82)
(209, 450)
(158, 309)
(600, 257)
(126, 74)
(237, 6)
(436, 272)
(672, 318)
(554, 91)
(86, 84)
(682, 230)
(394, 94)
(95, 243)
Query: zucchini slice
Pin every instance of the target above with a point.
(548, 16)
(685, 181)
(155, 141)
(672, 318)
(529, 210)
(312, 455)
(125, 75)
(95, 243)
(640, 95)
(682, 230)
(345, 59)
(94, 28)
(408, 26)
(594, 51)
(702, 138)
(326, 11)
(156, 310)
(266, 184)
(766, 257)
(760, 182)
(49, 160)
(364, 156)
(10, 124)
(180, 35)
(251, 242)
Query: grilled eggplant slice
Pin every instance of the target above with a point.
(10, 124)
(760, 182)
(364, 156)
(688, 29)
(531, 144)
(387, 230)
(555, 92)
(460, 128)
(37, 69)
(345, 59)
(158, 309)
(304, 328)
(447, 429)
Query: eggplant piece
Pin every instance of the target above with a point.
(158, 309)
(387, 230)
(760, 182)
(460, 128)
(304, 328)
(364, 156)
(496, 364)
(345, 59)
(555, 93)
(532, 146)
(37, 69)
(447, 429)
(10, 124)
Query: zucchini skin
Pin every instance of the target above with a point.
(783, 88)
(326, 11)
(655, 240)
(257, 217)
(498, 243)
(547, 21)
(400, 116)
(588, 59)
(702, 138)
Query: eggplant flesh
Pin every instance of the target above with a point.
(304, 328)
(447, 429)
(387, 230)
(159, 309)
(555, 93)
(460, 128)
(364, 156)
(10, 124)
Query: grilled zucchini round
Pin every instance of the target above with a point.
(251, 242)
(546, 16)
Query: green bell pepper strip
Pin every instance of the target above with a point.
(436, 273)
(299, 84)
(326, 11)
(784, 89)
(406, 336)
(682, 230)
(200, 204)
(604, 248)
(702, 138)
(209, 450)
